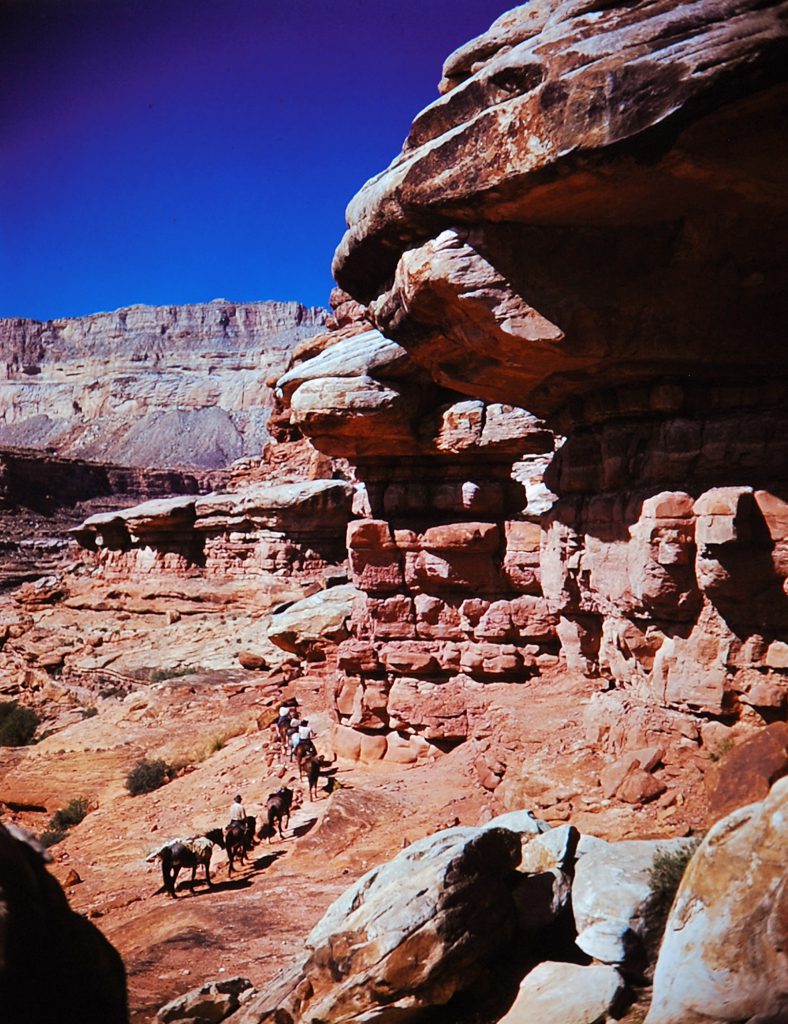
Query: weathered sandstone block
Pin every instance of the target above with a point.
(723, 956)
(406, 936)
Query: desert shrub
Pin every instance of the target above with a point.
(161, 675)
(721, 750)
(51, 836)
(90, 712)
(17, 724)
(147, 775)
(667, 871)
(74, 811)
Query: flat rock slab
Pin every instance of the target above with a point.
(565, 994)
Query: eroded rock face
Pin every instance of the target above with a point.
(260, 529)
(723, 956)
(189, 379)
(444, 551)
(615, 263)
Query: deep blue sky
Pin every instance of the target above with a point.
(172, 151)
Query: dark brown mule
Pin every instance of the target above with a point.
(310, 766)
(178, 855)
(277, 808)
(239, 840)
(305, 749)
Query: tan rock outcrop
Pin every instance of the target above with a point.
(261, 529)
(723, 956)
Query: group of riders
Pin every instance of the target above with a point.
(238, 836)
(297, 731)
(298, 736)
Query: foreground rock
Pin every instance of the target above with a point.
(724, 956)
(613, 900)
(54, 964)
(209, 1004)
(566, 994)
(406, 937)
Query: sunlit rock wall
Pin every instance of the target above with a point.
(590, 224)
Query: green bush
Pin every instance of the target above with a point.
(64, 819)
(147, 775)
(17, 724)
(161, 675)
(69, 815)
(52, 836)
(667, 871)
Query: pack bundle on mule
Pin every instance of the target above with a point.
(187, 853)
(277, 808)
(239, 840)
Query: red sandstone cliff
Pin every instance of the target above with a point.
(615, 263)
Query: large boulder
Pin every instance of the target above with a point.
(745, 773)
(724, 955)
(566, 994)
(54, 964)
(306, 625)
(406, 937)
(613, 899)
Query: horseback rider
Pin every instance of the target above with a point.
(287, 709)
(305, 736)
(237, 812)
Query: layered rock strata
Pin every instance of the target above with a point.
(149, 386)
(444, 549)
(616, 264)
(282, 529)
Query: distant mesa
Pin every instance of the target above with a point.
(157, 386)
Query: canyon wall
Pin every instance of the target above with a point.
(149, 386)
(444, 549)
(615, 264)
